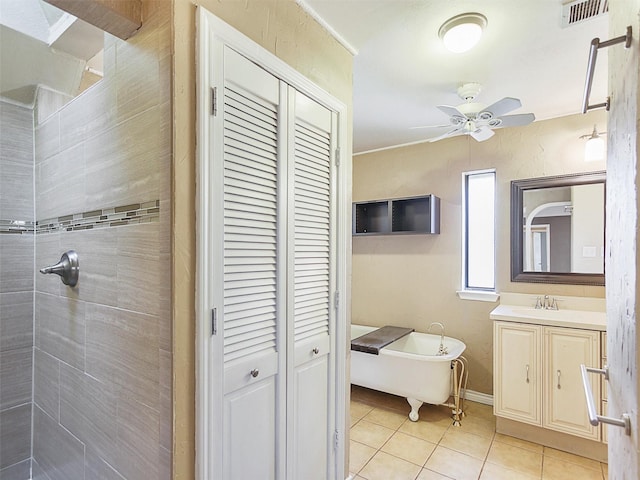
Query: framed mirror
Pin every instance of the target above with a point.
(558, 229)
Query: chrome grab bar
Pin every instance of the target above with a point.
(591, 66)
(594, 418)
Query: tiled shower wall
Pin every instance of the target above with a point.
(102, 356)
(16, 289)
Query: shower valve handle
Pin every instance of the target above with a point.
(68, 268)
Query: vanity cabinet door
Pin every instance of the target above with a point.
(565, 407)
(517, 372)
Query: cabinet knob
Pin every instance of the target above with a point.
(255, 372)
(315, 350)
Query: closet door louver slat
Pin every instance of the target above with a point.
(250, 216)
(312, 177)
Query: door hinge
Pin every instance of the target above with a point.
(214, 321)
(214, 101)
(336, 300)
(336, 440)
(337, 157)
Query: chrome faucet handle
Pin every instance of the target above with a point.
(538, 303)
(554, 304)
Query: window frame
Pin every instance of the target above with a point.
(469, 292)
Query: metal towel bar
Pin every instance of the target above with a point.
(594, 418)
(593, 55)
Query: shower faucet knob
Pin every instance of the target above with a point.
(68, 268)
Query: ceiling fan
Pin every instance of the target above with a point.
(471, 118)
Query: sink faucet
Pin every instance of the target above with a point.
(550, 303)
(546, 303)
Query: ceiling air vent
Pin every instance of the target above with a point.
(581, 10)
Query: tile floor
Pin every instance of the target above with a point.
(386, 445)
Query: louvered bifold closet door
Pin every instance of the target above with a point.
(311, 282)
(251, 288)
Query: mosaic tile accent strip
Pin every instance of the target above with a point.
(107, 217)
(16, 226)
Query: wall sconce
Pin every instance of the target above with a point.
(594, 149)
(462, 32)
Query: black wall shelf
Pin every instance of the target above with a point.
(397, 216)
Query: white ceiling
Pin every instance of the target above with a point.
(402, 71)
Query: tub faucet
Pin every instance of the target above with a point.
(442, 350)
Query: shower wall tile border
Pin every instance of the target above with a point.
(136, 213)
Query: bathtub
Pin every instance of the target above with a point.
(408, 367)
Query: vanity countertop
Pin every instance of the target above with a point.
(584, 313)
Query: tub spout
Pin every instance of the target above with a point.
(442, 350)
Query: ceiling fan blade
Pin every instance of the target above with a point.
(450, 133)
(516, 120)
(451, 111)
(481, 134)
(503, 106)
(448, 125)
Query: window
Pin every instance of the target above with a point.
(478, 250)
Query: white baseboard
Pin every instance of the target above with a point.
(483, 398)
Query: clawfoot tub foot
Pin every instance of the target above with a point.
(415, 406)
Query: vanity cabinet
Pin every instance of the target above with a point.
(537, 376)
(517, 372)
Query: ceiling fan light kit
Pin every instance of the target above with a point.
(594, 149)
(462, 32)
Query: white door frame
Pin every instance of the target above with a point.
(209, 380)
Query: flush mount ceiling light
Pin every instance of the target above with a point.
(462, 32)
(594, 149)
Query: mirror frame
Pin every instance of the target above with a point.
(518, 187)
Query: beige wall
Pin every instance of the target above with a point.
(412, 280)
(285, 30)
